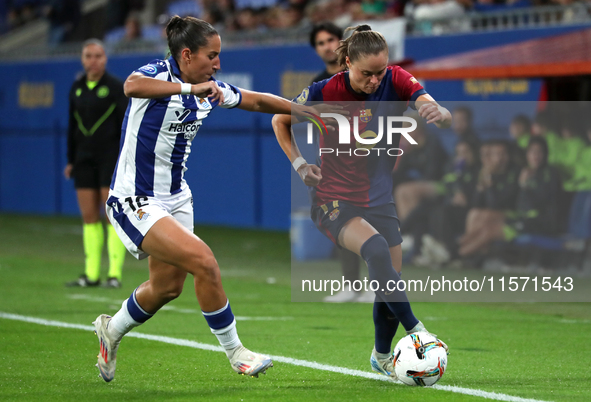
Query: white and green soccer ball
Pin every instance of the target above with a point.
(420, 359)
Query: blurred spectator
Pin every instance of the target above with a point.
(63, 16)
(133, 28)
(535, 210)
(418, 170)
(496, 192)
(325, 38)
(217, 13)
(247, 19)
(520, 130)
(572, 144)
(462, 125)
(119, 10)
(581, 178)
(441, 220)
(543, 126)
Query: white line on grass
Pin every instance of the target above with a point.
(282, 359)
(77, 296)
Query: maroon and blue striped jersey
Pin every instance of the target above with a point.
(361, 178)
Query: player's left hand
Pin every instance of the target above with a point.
(209, 89)
(432, 112)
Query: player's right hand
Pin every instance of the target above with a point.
(209, 89)
(68, 171)
(310, 175)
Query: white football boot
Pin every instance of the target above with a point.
(383, 366)
(245, 362)
(107, 357)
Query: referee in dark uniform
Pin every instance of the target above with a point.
(97, 108)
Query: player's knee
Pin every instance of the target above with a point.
(204, 266)
(376, 249)
(170, 291)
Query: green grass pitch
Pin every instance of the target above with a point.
(538, 351)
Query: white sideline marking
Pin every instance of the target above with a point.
(282, 359)
(77, 296)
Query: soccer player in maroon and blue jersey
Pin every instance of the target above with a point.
(352, 190)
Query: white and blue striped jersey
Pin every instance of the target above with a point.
(156, 136)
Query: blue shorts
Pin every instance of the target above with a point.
(331, 217)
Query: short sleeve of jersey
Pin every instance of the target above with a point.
(232, 95)
(407, 86)
(311, 94)
(154, 69)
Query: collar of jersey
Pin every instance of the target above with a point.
(175, 68)
(350, 88)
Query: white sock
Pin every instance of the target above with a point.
(122, 323)
(228, 337)
(382, 356)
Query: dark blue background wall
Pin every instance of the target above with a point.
(238, 174)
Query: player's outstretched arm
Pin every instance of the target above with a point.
(310, 174)
(433, 112)
(138, 85)
(265, 103)
(273, 104)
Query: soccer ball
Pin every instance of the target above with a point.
(419, 359)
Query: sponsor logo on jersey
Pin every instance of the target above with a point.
(414, 80)
(365, 115)
(334, 214)
(140, 215)
(148, 69)
(102, 92)
(182, 116)
(188, 129)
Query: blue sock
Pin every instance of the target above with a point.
(136, 311)
(220, 318)
(385, 324)
(223, 326)
(376, 253)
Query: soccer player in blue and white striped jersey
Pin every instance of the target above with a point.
(150, 204)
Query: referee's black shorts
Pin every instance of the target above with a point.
(94, 173)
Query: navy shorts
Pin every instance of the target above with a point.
(331, 217)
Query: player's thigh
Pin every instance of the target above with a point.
(172, 243)
(166, 278)
(384, 219)
(355, 233)
(89, 201)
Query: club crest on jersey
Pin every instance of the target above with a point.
(141, 215)
(204, 103)
(365, 115)
(334, 214)
(303, 97)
